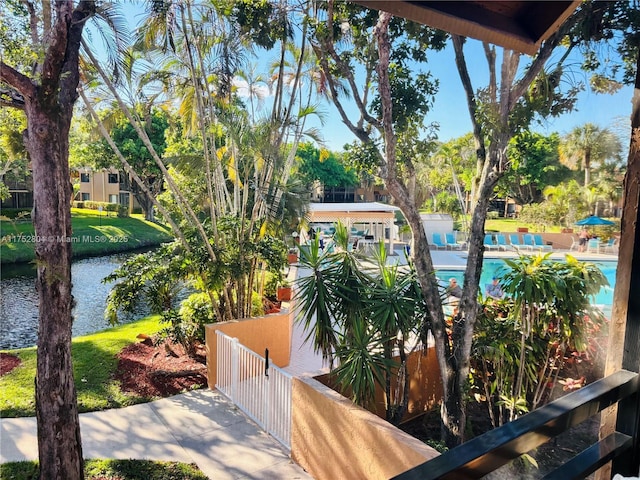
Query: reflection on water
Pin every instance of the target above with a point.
(19, 299)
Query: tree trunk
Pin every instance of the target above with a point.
(587, 167)
(47, 100)
(59, 446)
(147, 205)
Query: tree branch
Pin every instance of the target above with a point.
(463, 71)
(381, 32)
(55, 54)
(544, 53)
(33, 23)
(71, 75)
(21, 83)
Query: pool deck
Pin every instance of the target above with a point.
(457, 259)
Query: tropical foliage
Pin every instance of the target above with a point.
(545, 321)
(361, 320)
(229, 171)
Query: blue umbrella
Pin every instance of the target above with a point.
(594, 220)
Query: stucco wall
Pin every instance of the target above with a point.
(332, 438)
(271, 331)
(425, 385)
(560, 241)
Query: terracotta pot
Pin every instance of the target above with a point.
(523, 230)
(283, 294)
(292, 258)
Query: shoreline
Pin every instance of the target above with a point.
(146, 246)
(92, 236)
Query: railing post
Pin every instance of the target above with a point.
(235, 373)
(267, 392)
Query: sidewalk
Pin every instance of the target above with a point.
(200, 427)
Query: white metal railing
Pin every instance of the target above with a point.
(259, 389)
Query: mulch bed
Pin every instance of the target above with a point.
(162, 370)
(8, 362)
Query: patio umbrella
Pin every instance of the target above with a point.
(594, 220)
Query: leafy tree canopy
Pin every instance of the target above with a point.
(323, 166)
(535, 164)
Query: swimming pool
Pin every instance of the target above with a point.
(492, 265)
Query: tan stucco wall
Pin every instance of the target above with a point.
(332, 438)
(560, 241)
(271, 331)
(425, 385)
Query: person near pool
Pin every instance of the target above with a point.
(454, 291)
(583, 238)
(494, 290)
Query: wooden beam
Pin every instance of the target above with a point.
(523, 32)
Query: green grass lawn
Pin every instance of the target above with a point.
(112, 469)
(512, 225)
(94, 233)
(94, 362)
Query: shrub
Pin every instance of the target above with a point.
(16, 212)
(123, 211)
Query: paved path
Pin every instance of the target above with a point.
(200, 427)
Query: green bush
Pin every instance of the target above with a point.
(137, 210)
(16, 212)
(196, 311)
(257, 307)
(121, 210)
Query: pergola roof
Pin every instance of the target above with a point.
(352, 207)
(517, 25)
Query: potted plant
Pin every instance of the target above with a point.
(283, 293)
(292, 255)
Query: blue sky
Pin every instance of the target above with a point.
(450, 108)
(451, 112)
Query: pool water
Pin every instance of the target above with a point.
(491, 266)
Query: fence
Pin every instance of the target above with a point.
(260, 390)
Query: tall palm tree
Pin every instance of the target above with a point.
(588, 144)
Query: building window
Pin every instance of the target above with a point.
(86, 196)
(113, 178)
(84, 177)
(113, 198)
(124, 199)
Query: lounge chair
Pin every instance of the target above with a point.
(437, 241)
(514, 240)
(527, 241)
(593, 245)
(611, 246)
(451, 241)
(488, 242)
(575, 244)
(502, 243)
(537, 240)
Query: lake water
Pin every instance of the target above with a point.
(19, 299)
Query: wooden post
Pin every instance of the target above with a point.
(624, 333)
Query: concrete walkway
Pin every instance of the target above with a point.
(200, 427)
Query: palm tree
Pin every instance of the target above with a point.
(587, 144)
(362, 319)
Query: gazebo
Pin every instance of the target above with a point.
(378, 217)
